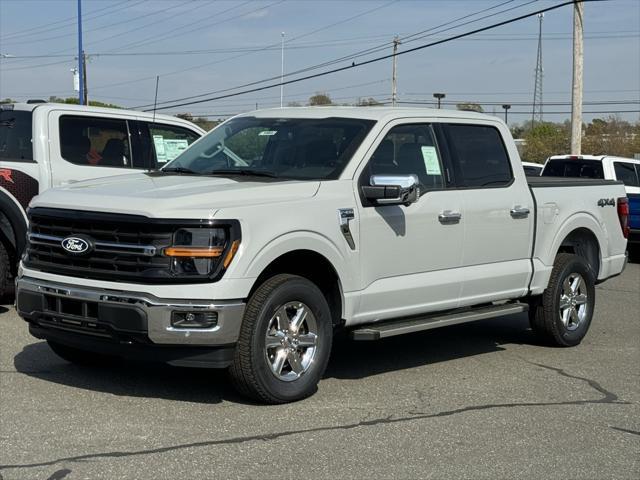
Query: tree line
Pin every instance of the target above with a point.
(602, 136)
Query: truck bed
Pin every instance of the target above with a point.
(539, 182)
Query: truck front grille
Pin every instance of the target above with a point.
(124, 247)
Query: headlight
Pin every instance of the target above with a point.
(201, 251)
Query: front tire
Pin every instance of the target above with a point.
(285, 341)
(563, 315)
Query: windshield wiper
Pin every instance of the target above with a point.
(179, 170)
(244, 172)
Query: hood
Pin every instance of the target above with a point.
(173, 196)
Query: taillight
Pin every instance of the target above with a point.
(623, 215)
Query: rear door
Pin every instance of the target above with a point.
(498, 214)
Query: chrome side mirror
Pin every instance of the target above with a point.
(392, 190)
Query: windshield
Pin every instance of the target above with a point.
(568, 167)
(292, 148)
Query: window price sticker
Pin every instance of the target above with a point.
(430, 157)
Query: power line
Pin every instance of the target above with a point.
(331, 62)
(308, 45)
(120, 34)
(594, 112)
(526, 104)
(275, 45)
(170, 33)
(129, 5)
(70, 20)
(384, 57)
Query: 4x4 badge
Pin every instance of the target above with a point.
(604, 202)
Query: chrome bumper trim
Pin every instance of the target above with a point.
(157, 310)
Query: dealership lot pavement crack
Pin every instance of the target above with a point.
(608, 397)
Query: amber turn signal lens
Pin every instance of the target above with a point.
(232, 252)
(207, 252)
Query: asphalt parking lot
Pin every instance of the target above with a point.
(473, 401)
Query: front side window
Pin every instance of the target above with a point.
(170, 141)
(626, 173)
(15, 136)
(408, 150)
(480, 157)
(292, 148)
(93, 141)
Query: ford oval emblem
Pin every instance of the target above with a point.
(76, 245)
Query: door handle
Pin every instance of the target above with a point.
(448, 217)
(519, 212)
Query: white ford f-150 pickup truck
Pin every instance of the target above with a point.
(281, 227)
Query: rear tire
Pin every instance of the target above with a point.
(81, 357)
(285, 341)
(563, 314)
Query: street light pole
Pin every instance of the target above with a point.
(506, 107)
(439, 96)
(81, 69)
(282, 71)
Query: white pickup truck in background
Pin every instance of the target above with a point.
(625, 170)
(282, 226)
(44, 145)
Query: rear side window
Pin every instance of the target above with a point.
(480, 157)
(15, 136)
(567, 167)
(93, 141)
(626, 173)
(170, 141)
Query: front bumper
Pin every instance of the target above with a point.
(122, 317)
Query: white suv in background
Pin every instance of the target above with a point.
(44, 145)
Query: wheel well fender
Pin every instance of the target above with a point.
(582, 235)
(312, 257)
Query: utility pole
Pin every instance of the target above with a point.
(537, 87)
(506, 107)
(81, 66)
(439, 96)
(394, 77)
(576, 100)
(281, 71)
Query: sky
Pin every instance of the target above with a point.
(202, 46)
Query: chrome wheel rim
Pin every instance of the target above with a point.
(573, 301)
(291, 341)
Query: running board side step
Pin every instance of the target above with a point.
(391, 328)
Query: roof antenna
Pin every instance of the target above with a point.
(155, 101)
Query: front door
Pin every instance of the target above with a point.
(409, 254)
